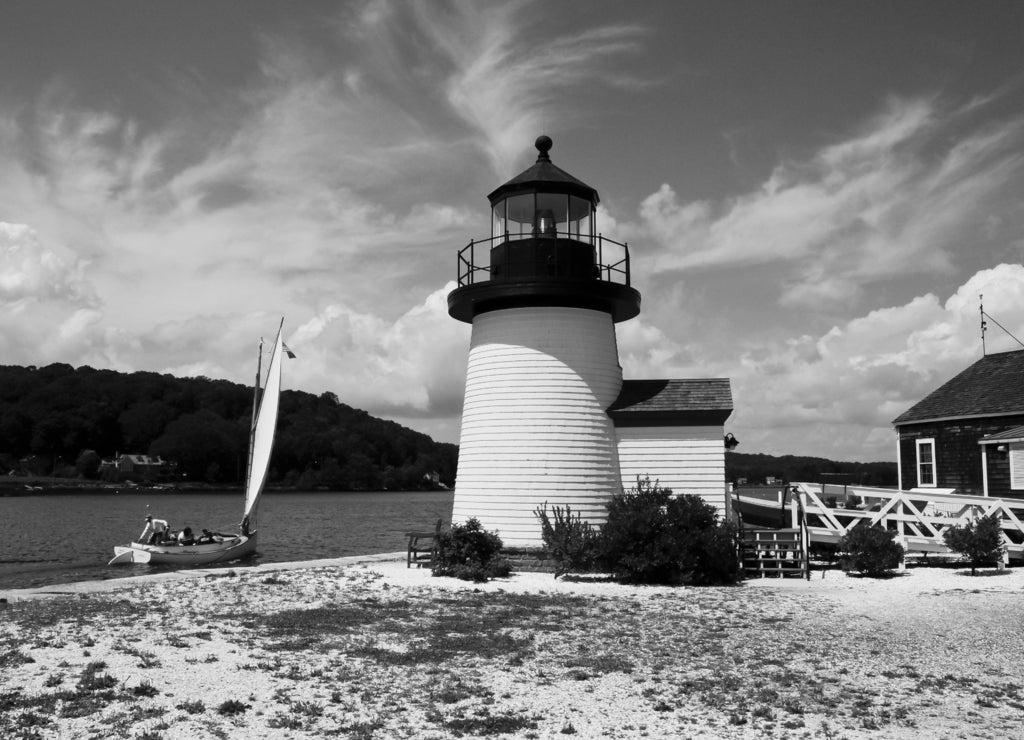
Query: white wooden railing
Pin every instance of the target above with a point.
(919, 518)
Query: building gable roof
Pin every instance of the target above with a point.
(662, 402)
(992, 386)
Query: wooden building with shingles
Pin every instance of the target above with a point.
(672, 431)
(968, 434)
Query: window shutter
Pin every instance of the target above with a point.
(1017, 466)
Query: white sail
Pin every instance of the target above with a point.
(263, 435)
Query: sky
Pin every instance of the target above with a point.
(814, 194)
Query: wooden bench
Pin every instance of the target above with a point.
(422, 546)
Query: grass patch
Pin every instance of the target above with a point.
(192, 707)
(14, 658)
(491, 724)
(145, 688)
(598, 665)
(47, 613)
(231, 707)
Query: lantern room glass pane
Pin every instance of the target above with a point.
(581, 223)
(551, 219)
(519, 216)
(498, 219)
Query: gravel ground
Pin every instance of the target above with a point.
(375, 650)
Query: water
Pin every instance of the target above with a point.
(61, 538)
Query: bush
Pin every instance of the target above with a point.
(470, 553)
(980, 540)
(872, 551)
(571, 542)
(653, 537)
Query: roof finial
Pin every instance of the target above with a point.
(543, 145)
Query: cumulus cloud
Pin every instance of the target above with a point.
(840, 391)
(48, 307)
(836, 394)
(411, 367)
(30, 273)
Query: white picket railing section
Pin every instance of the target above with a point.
(918, 517)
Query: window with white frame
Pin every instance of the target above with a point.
(926, 463)
(1016, 452)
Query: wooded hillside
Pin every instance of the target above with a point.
(61, 420)
(756, 467)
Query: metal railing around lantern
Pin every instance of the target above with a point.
(475, 259)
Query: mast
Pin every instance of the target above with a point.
(263, 432)
(252, 424)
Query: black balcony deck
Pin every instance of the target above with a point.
(560, 270)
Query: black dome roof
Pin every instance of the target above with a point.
(545, 177)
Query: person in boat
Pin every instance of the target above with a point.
(154, 531)
(185, 537)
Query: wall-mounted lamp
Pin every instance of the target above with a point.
(1001, 448)
(730, 441)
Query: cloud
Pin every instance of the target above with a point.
(506, 76)
(413, 367)
(899, 197)
(30, 274)
(47, 304)
(835, 395)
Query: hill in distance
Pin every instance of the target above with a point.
(61, 421)
(756, 468)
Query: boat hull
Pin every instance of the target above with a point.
(234, 548)
(758, 512)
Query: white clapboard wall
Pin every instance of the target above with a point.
(534, 427)
(687, 459)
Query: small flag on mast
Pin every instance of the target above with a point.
(291, 355)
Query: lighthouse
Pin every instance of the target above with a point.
(543, 294)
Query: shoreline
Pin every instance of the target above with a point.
(368, 648)
(107, 585)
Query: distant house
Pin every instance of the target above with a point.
(143, 466)
(672, 431)
(968, 435)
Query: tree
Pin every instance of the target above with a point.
(197, 441)
(979, 540)
(88, 464)
(57, 411)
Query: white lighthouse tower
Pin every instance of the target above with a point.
(543, 295)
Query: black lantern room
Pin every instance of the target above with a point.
(544, 250)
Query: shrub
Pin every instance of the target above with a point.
(872, 551)
(652, 536)
(980, 540)
(571, 542)
(470, 553)
(232, 707)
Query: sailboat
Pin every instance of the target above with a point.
(227, 547)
